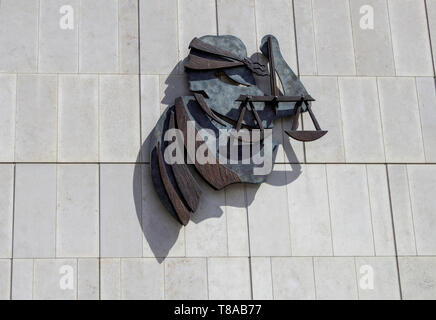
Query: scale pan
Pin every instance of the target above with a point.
(306, 136)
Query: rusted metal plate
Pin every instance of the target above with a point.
(306, 136)
(178, 205)
(199, 63)
(187, 184)
(214, 50)
(158, 146)
(275, 98)
(201, 46)
(272, 70)
(217, 175)
(206, 109)
(158, 184)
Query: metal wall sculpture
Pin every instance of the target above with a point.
(229, 92)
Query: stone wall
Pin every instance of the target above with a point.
(77, 107)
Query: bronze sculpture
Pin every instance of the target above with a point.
(231, 93)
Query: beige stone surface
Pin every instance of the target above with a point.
(78, 107)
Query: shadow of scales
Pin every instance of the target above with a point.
(229, 92)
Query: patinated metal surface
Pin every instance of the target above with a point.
(217, 175)
(230, 92)
(196, 62)
(187, 184)
(206, 109)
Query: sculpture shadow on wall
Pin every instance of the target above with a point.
(161, 231)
